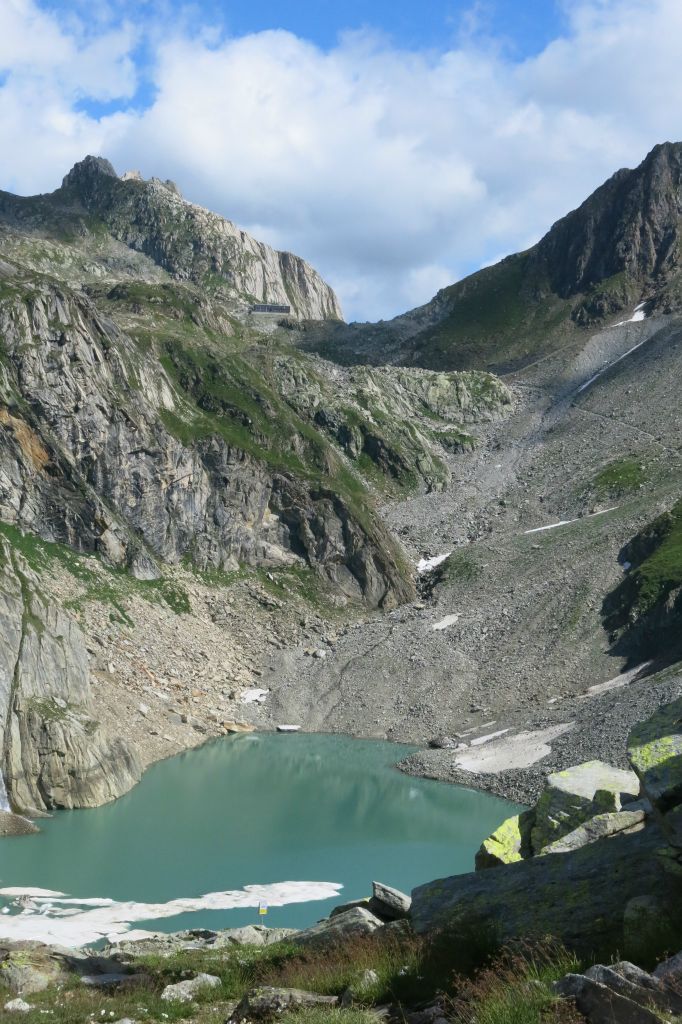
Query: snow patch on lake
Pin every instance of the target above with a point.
(54, 917)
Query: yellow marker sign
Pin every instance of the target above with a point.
(262, 908)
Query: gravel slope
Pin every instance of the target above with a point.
(508, 633)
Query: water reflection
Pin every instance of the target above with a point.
(256, 810)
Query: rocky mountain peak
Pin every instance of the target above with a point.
(629, 226)
(190, 242)
(87, 171)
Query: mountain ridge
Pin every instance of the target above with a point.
(188, 241)
(620, 247)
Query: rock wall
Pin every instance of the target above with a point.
(54, 752)
(86, 459)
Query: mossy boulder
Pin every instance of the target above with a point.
(508, 844)
(655, 753)
(600, 827)
(578, 897)
(576, 795)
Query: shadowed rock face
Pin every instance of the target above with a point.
(577, 897)
(55, 753)
(630, 225)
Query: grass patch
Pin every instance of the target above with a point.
(99, 582)
(495, 319)
(619, 477)
(459, 567)
(515, 988)
(645, 611)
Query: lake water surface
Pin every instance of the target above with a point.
(257, 810)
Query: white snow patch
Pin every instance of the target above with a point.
(427, 564)
(106, 918)
(288, 728)
(254, 696)
(449, 620)
(23, 890)
(480, 740)
(567, 522)
(615, 361)
(614, 684)
(517, 751)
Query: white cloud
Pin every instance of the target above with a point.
(392, 172)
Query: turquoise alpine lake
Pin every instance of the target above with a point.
(255, 810)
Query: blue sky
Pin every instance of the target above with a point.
(524, 26)
(396, 146)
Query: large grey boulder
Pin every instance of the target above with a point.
(573, 796)
(602, 1005)
(389, 903)
(168, 943)
(600, 827)
(577, 897)
(266, 1001)
(655, 753)
(28, 967)
(670, 971)
(186, 991)
(632, 982)
(343, 907)
(333, 931)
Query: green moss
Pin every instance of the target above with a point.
(619, 477)
(47, 709)
(459, 567)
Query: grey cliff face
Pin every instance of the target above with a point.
(93, 465)
(55, 754)
(147, 417)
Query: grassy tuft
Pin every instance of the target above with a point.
(515, 988)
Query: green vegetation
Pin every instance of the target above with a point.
(619, 477)
(500, 317)
(459, 567)
(661, 571)
(100, 582)
(516, 989)
(645, 612)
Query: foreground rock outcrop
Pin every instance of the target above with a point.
(589, 865)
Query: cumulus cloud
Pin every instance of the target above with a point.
(393, 172)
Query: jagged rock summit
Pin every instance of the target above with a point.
(190, 242)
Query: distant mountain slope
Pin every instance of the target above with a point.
(620, 248)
